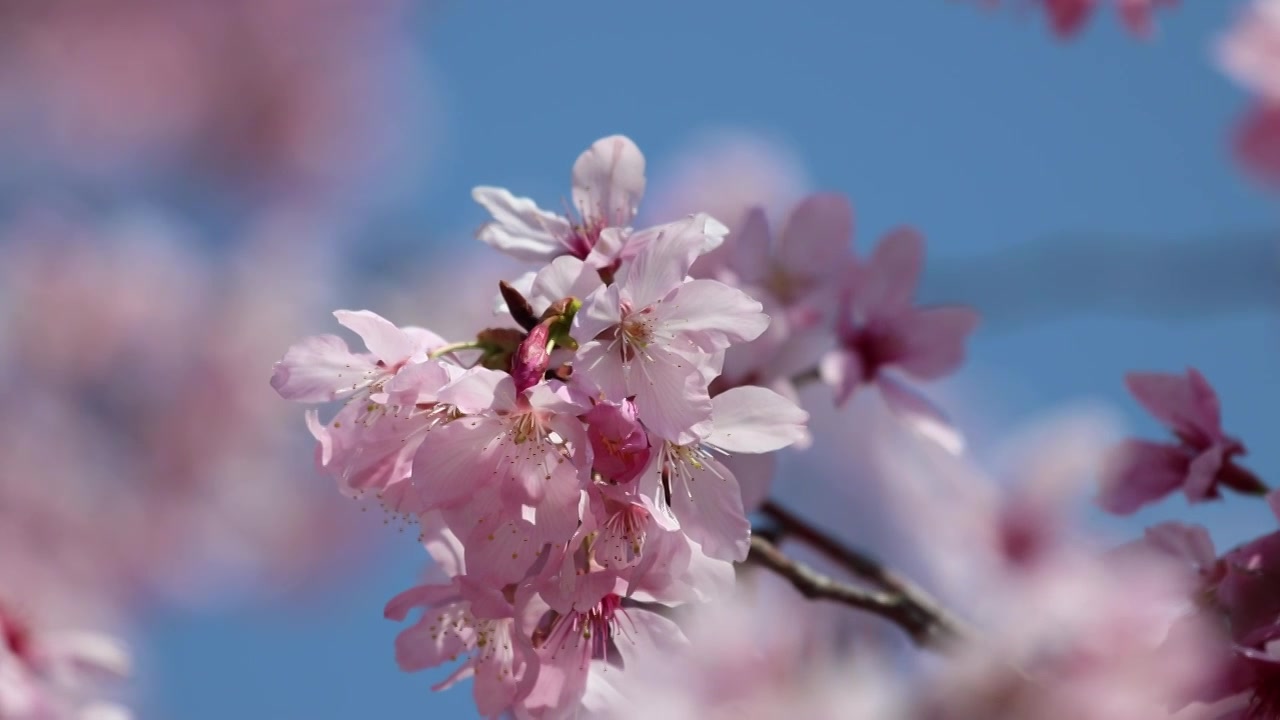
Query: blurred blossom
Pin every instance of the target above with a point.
(143, 461)
(1067, 18)
(1250, 54)
(267, 95)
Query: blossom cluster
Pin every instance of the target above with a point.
(1236, 593)
(596, 461)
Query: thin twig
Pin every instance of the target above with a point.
(909, 606)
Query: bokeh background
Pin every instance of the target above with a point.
(187, 187)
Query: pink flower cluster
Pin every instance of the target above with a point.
(578, 474)
(1237, 593)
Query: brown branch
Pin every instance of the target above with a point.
(901, 601)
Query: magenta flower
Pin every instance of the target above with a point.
(608, 182)
(1140, 471)
(880, 332)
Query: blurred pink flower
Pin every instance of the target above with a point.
(1250, 54)
(1203, 459)
(49, 674)
(1068, 17)
(189, 85)
(145, 491)
(878, 330)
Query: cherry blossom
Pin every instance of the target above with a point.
(879, 332)
(608, 182)
(1200, 462)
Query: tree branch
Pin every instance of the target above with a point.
(901, 601)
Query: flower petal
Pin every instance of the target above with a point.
(753, 419)
(933, 340)
(608, 181)
(711, 314)
(519, 228)
(389, 343)
(817, 240)
(1138, 472)
(320, 369)
(887, 283)
(920, 415)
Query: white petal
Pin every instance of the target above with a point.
(389, 343)
(519, 228)
(608, 181)
(753, 419)
(320, 369)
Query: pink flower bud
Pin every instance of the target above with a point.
(532, 358)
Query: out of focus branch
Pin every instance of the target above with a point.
(901, 601)
(926, 631)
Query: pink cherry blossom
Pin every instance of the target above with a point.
(1250, 54)
(461, 620)
(651, 335)
(798, 277)
(608, 182)
(879, 332)
(51, 673)
(701, 493)
(1200, 462)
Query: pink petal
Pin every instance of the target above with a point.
(1139, 472)
(665, 256)
(320, 369)
(566, 276)
(749, 248)
(1184, 403)
(1273, 502)
(455, 461)
(601, 310)
(817, 239)
(1201, 482)
(598, 370)
(711, 512)
(711, 314)
(920, 415)
(519, 228)
(1067, 17)
(479, 389)
(753, 419)
(670, 394)
(842, 370)
(608, 181)
(1256, 143)
(886, 285)
(387, 342)
(933, 340)
(501, 550)
(430, 642)
(1189, 544)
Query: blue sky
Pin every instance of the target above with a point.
(976, 126)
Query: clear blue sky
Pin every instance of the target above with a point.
(978, 127)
